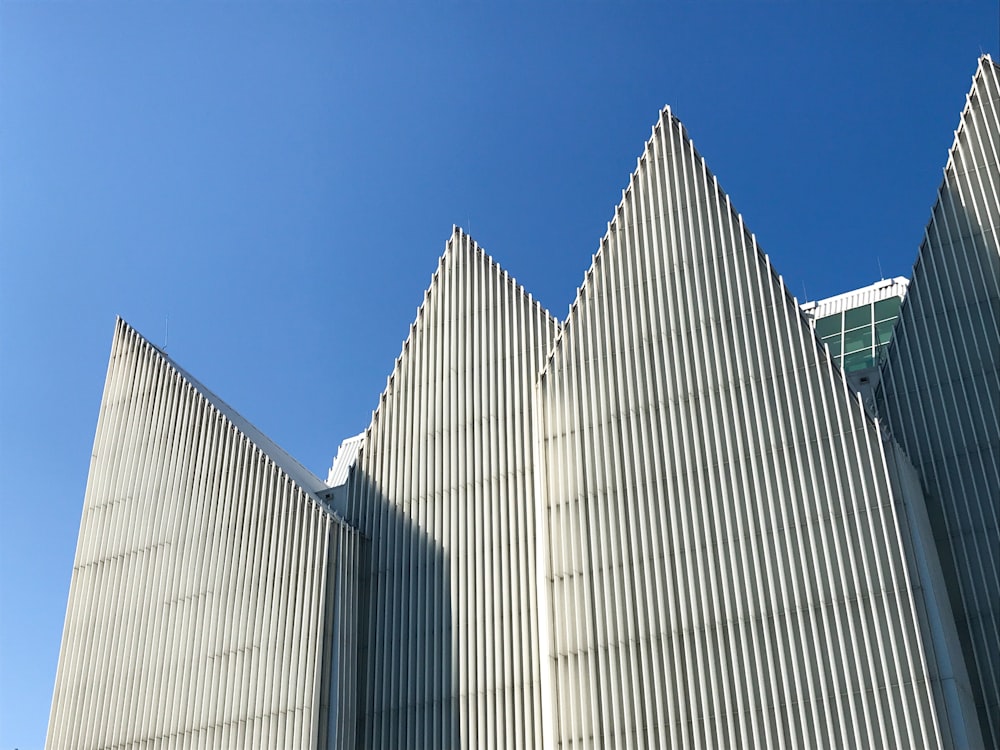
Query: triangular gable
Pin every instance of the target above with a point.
(443, 487)
(940, 383)
(212, 596)
(721, 544)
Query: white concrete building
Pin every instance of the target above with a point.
(666, 521)
(856, 328)
(940, 389)
(214, 599)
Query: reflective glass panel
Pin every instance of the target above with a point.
(859, 338)
(828, 325)
(858, 361)
(883, 331)
(833, 342)
(858, 316)
(887, 308)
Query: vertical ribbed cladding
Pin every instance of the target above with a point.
(198, 609)
(721, 547)
(444, 489)
(940, 385)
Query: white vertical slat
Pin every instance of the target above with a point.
(192, 617)
(696, 421)
(668, 521)
(443, 488)
(939, 394)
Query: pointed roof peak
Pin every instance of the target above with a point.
(461, 244)
(984, 63)
(983, 67)
(298, 473)
(666, 122)
(985, 81)
(459, 248)
(461, 238)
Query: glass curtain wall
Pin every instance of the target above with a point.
(857, 337)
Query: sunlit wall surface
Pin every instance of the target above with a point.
(668, 521)
(444, 488)
(214, 600)
(857, 326)
(940, 386)
(725, 553)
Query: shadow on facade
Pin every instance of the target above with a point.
(941, 404)
(407, 681)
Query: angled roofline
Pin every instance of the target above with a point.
(883, 289)
(457, 234)
(665, 115)
(665, 119)
(299, 474)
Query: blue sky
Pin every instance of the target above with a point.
(277, 180)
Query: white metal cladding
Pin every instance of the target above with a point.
(721, 546)
(208, 589)
(443, 487)
(347, 455)
(940, 386)
(880, 290)
(667, 523)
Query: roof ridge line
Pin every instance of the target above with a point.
(290, 466)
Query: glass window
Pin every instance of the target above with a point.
(828, 325)
(858, 361)
(833, 342)
(883, 331)
(858, 316)
(859, 338)
(887, 308)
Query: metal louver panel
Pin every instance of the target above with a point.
(940, 384)
(213, 600)
(668, 522)
(443, 487)
(724, 556)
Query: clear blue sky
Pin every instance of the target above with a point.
(279, 179)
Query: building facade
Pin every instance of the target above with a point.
(856, 328)
(939, 394)
(668, 520)
(214, 596)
